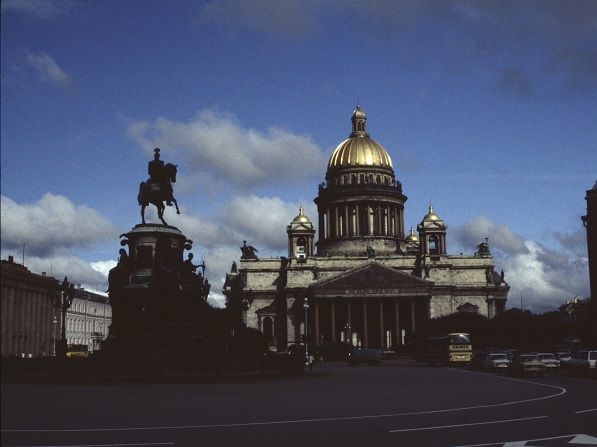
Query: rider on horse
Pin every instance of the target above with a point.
(157, 174)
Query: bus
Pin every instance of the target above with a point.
(77, 351)
(449, 349)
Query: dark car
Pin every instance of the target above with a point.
(524, 364)
(367, 356)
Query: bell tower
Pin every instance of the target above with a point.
(300, 237)
(432, 235)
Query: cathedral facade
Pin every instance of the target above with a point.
(365, 281)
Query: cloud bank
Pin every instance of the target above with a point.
(51, 229)
(53, 223)
(545, 276)
(220, 150)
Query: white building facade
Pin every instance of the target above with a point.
(88, 320)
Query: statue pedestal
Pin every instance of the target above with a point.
(155, 313)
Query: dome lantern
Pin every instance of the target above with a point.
(359, 120)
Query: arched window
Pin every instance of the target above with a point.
(433, 245)
(268, 329)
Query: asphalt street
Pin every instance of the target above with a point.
(399, 403)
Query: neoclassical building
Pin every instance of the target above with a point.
(365, 281)
(88, 319)
(30, 320)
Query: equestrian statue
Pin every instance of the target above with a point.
(158, 188)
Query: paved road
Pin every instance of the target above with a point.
(398, 403)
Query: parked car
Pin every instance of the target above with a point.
(564, 358)
(549, 360)
(368, 356)
(584, 360)
(496, 361)
(526, 364)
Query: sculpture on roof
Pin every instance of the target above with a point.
(158, 188)
(248, 251)
(483, 249)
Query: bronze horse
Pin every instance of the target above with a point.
(157, 193)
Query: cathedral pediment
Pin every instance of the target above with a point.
(372, 277)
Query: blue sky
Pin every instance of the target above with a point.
(487, 109)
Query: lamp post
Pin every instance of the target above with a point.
(67, 293)
(306, 306)
(54, 337)
(348, 333)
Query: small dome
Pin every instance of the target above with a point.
(358, 113)
(412, 237)
(301, 218)
(430, 216)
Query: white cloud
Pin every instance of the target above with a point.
(40, 9)
(500, 236)
(103, 267)
(545, 277)
(49, 71)
(219, 150)
(51, 224)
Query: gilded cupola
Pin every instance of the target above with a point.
(359, 149)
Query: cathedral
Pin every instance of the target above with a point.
(365, 281)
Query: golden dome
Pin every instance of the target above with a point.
(430, 216)
(412, 237)
(301, 218)
(359, 149)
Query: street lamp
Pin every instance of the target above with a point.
(67, 293)
(54, 337)
(306, 306)
(348, 333)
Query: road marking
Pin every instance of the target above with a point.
(576, 439)
(585, 411)
(300, 421)
(466, 425)
(105, 445)
(584, 440)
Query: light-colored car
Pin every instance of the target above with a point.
(549, 360)
(526, 364)
(584, 360)
(564, 357)
(368, 356)
(496, 361)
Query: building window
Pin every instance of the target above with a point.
(433, 245)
